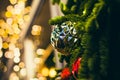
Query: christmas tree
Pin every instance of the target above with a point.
(88, 38)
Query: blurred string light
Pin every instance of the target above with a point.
(43, 72)
(16, 68)
(21, 65)
(13, 76)
(16, 17)
(52, 72)
(36, 29)
(23, 72)
(40, 51)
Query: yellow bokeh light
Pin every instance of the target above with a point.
(5, 45)
(16, 59)
(8, 14)
(23, 72)
(9, 31)
(38, 60)
(16, 68)
(10, 8)
(26, 18)
(17, 30)
(15, 17)
(35, 32)
(5, 34)
(18, 8)
(2, 22)
(15, 25)
(15, 36)
(11, 46)
(36, 28)
(52, 72)
(21, 65)
(16, 52)
(40, 51)
(2, 32)
(9, 21)
(45, 71)
(13, 76)
(20, 21)
(9, 54)
(19, 16)
(27, 10)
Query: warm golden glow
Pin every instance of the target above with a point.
(36, 29)
(23, 72)
(40, 51)
(21, 65)
(18, 8)
(5, 45)
(15, 19)
(45, 71)
(27, 10)
(38, 60)
(11, 46)
(16, 60)
(13, 76)
(20, 21)
(16, 52)
(9, 54)
(52, 72)
(9, 21)
(8, 14)
(10, 8)
(26, 17)
(16, 68)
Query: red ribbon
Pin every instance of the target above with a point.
(76, 66)
(65, 74)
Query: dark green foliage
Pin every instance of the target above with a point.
(104, 57)
(92, 25)
(55, 1)
(61, 19)
(83, 72)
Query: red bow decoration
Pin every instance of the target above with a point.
(75, 67)
(65, 74)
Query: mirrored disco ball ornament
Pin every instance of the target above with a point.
(63, 37)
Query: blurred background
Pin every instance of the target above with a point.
(25, 49)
